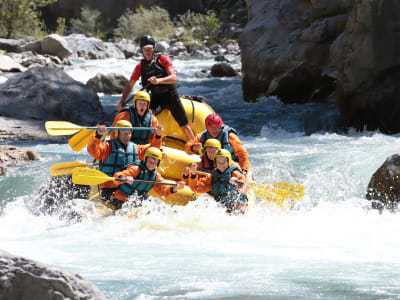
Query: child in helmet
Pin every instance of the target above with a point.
(227, 184)
(146, 169)
(207, 159)
(117, 153)
(228, 138)
(140, 115)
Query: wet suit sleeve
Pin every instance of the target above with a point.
(202, 185)
(132, 170)
(137, 72)
(239, 151)
(189, 144)
(98, 149)
(162, 190)
(166, 62)
(125, 115)
(154, 140)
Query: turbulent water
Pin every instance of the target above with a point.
(328, 246)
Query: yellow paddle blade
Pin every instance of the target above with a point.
(61, 128)
(294, 190)
(87, 176)
(81, 139)
(279, 192)
(65, 168)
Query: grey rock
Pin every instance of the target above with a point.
(7, 64)
(22, 278)
(384, 187)
(223, 70)
(49, 94)
(108, 84)
(11, 155)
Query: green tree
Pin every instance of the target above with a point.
(155, 21)
(21, 17)
(90, 22)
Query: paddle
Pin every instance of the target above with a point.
(277, 192)
(81, 139)
(67, 167)
(85, 176)
(67, 128)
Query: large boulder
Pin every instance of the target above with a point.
(108, 84)
(49, 94)
(7, 64)
(92, 48)
(368, 86)
(285, 48)
(11, 155)
(22, 278)
(384, 186)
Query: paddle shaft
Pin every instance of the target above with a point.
(108, 128)
(123, 179)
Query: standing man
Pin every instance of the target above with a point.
(159, 76)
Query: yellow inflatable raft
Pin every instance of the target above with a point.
(174, 141)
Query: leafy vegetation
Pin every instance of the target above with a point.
(21, 18)
(91, 22)
(197, 26)
(61, 27)
(155, 21)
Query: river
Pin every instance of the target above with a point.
(331, 245)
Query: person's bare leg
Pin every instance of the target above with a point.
(188, 132)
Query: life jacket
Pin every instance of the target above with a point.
(141, 188)
(225, 192)
(140, 137)
(120, 157)
(223, 137)
(154, 68)
(205, 163)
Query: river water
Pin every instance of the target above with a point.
(328, 246)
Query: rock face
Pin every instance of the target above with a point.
(369, 74)
(384, 186)
(11, 155)
(108, 84)
(7, 64)
(49, 94)
(22, 278)
(323, 50)
(285, 48)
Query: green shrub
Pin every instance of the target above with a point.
(154, 21)
(197, 26)
(21, 18)
(61, 27)
(90, 22)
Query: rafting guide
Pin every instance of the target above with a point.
(157, 69)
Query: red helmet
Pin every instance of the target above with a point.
(213, 120)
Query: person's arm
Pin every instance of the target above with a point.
(98, 149)
(202, 185)
(166, 190)
(240, 181)
(131, 171)
(156, 138)
(240, 151)
(131, 83)
(192, 146)
(125, 93)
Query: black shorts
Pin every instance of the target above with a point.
(169, 100)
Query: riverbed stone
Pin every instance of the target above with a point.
(108, 83)
(384, 187)
(23, 278)
(12, 155)
(44, 93)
